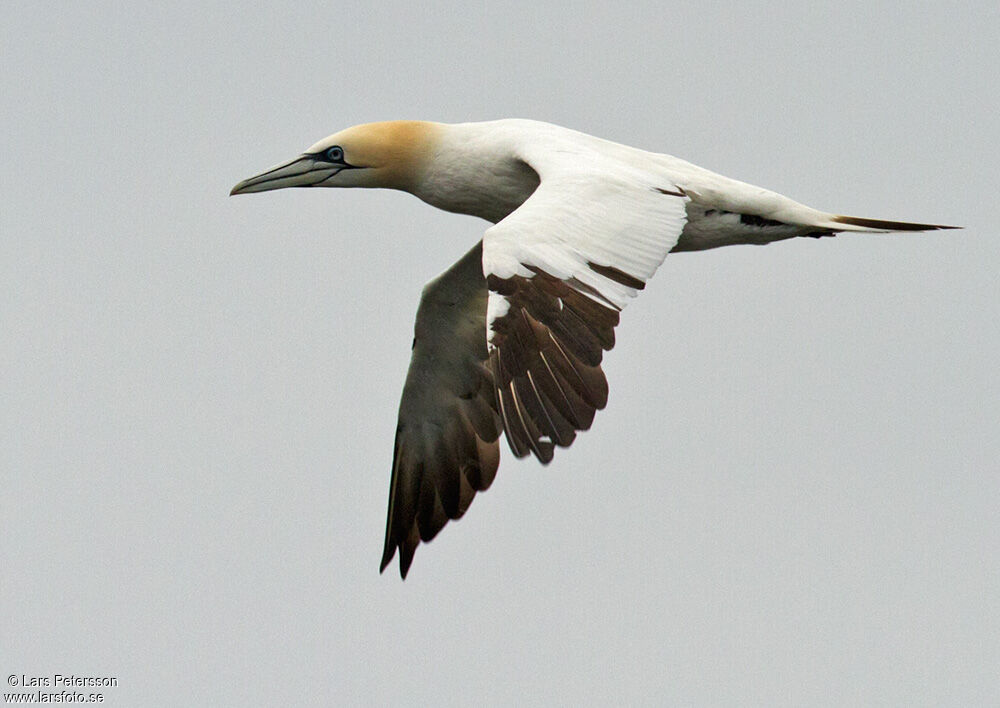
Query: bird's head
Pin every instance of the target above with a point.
(390, 154)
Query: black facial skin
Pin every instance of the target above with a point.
(333, 155)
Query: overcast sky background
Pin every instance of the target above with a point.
(793, 497)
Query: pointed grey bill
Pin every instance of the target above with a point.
(303, 171)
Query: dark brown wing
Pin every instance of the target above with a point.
(447, 438)
(545, 355)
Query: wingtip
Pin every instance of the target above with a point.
(405, 559)
(387, 556)
(403, 570)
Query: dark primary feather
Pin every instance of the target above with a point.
(546, 360)
(447, 446)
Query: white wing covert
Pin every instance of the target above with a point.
(559, 269)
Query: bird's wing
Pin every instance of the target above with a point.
(559, 269)
(447, 437)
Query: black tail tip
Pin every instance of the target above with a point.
(890, 225)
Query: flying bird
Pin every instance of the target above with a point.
(510, 338)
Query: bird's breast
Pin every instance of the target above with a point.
(488, 188)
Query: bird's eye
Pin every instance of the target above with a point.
(335, 154)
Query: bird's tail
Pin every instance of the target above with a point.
(855, 223)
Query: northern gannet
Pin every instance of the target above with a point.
(510, 338)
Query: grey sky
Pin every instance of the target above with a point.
(792, 498)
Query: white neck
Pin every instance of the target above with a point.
(475, 170)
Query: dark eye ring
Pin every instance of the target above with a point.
(335, 154)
